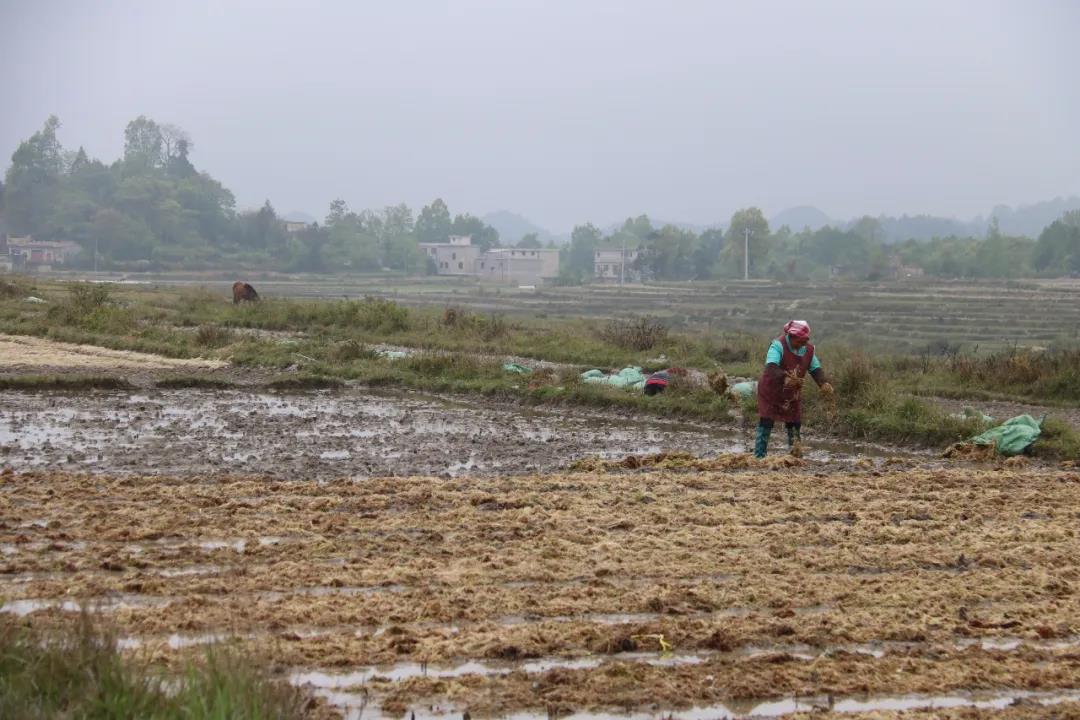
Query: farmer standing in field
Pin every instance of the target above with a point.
(779, 391)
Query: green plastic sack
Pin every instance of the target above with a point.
(628, 377)
(745, 389)
(970, 413)
(1012, 436)
(515, 368)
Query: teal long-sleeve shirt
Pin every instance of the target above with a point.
(776, 351)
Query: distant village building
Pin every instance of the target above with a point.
(294, 226)
(26, 253)
(6, 261)
(899, 271)
(524, 266)
(457, 256)
(615, 264)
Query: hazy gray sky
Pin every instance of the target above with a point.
(574, 110)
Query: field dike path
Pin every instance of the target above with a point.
(22, 351)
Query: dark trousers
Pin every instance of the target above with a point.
(764, 430)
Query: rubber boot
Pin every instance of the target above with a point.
(794, 441)
(761, 444)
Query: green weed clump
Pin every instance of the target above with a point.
(213, 336)
(373, 314)
(31, 383)
(485, 327)
(9, 289)
(349, 351)
(76, 672)
(89, 306)
(1058, 440)
(638, 333)
(185, 382)
(1046, 374)
(449, 365)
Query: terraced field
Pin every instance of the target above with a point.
(764, 592)
(987, 314)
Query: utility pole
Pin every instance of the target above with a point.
(95, 253)
(746, 253)
(622, 262)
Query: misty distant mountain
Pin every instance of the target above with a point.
(299, 216)
(921, 227)
(798, 218)
(657, 223)
(1029, 220)
(512, 227)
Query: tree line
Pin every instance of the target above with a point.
(152, 209)
(859, 251)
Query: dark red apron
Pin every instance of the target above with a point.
(773, 399)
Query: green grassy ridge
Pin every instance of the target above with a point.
(32, 383)
(337, 334)
(75, 671)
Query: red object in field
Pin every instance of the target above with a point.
(242, 292)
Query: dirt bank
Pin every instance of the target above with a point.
(22, 352)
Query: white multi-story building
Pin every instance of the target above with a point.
(615, 264)
(525, 266)
(457, 256)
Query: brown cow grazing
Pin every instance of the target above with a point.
(242, 292)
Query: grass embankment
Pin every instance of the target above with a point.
(462, 352)
(76, 672)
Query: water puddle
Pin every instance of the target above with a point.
(177, 641)
(21, 608)
(237, 545)
(355, 705)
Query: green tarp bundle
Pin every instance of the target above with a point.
(969, 413)
(1013, 436)
(745, 389)
(515, 368)
(628, 377)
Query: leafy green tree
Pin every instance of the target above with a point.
(261, 230)
(484, 236)
(120, 236)
(143, 144)
(530, 240)
(33, 180)
(668, 254)
(433, 223)
(709, 245)
(760, 241)
(579, 260)
(1058, 248)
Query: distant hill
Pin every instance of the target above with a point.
(299, 216)
(512, 227)
(922, 227)
(1029, 220)
(658, 223)
(800, 217)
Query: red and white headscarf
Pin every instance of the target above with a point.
(798, 329)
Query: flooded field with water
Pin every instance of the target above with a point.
(352, 433)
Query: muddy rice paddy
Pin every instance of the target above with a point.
(710, 594)
(331, 434)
